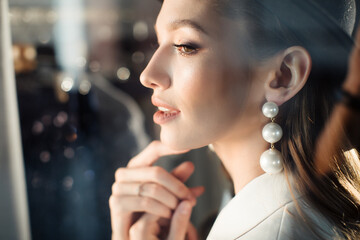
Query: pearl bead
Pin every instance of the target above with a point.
(271, 161)
(270, 109)
(272, 132)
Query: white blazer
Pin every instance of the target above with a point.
(265, 210)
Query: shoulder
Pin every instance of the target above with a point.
(267, 209)
(296, 221)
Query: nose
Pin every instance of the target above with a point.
(155, 75)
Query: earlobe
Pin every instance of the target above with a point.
(288, 75)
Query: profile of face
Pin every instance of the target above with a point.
(200, 78)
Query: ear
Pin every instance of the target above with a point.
(288, 75)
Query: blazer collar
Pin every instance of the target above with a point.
(255, 202)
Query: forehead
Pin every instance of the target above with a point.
(197, 14)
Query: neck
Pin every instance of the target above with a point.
(241, 158)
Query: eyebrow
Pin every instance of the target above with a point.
(187, 23)
(174, 25)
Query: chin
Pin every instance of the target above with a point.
(173, 143)
(178, 143)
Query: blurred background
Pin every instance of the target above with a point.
(84, 113)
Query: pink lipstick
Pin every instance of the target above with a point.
(165, 112)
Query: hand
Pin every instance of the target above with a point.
(342, 125)
(352, 82)
(150, 227)
(142, 187)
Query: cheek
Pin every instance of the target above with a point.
(212, 87)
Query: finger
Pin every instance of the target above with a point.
(160, 194)
(151, 154)
(129, 204)
(180, 221)
(197, 191)
(183, 171)
(156, 175)
(131, 188)
(152, 190)
(352, 82)
(192, 233)
(145, 228)
(120, 223)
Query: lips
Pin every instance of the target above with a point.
(165, 113)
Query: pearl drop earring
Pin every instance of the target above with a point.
(271, 160)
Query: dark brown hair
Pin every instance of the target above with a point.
(336, 194)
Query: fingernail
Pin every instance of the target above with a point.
(185, 207)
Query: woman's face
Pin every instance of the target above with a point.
(199, 77)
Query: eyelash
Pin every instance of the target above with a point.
(180, 48)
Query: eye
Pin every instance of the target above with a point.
(186, 49)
